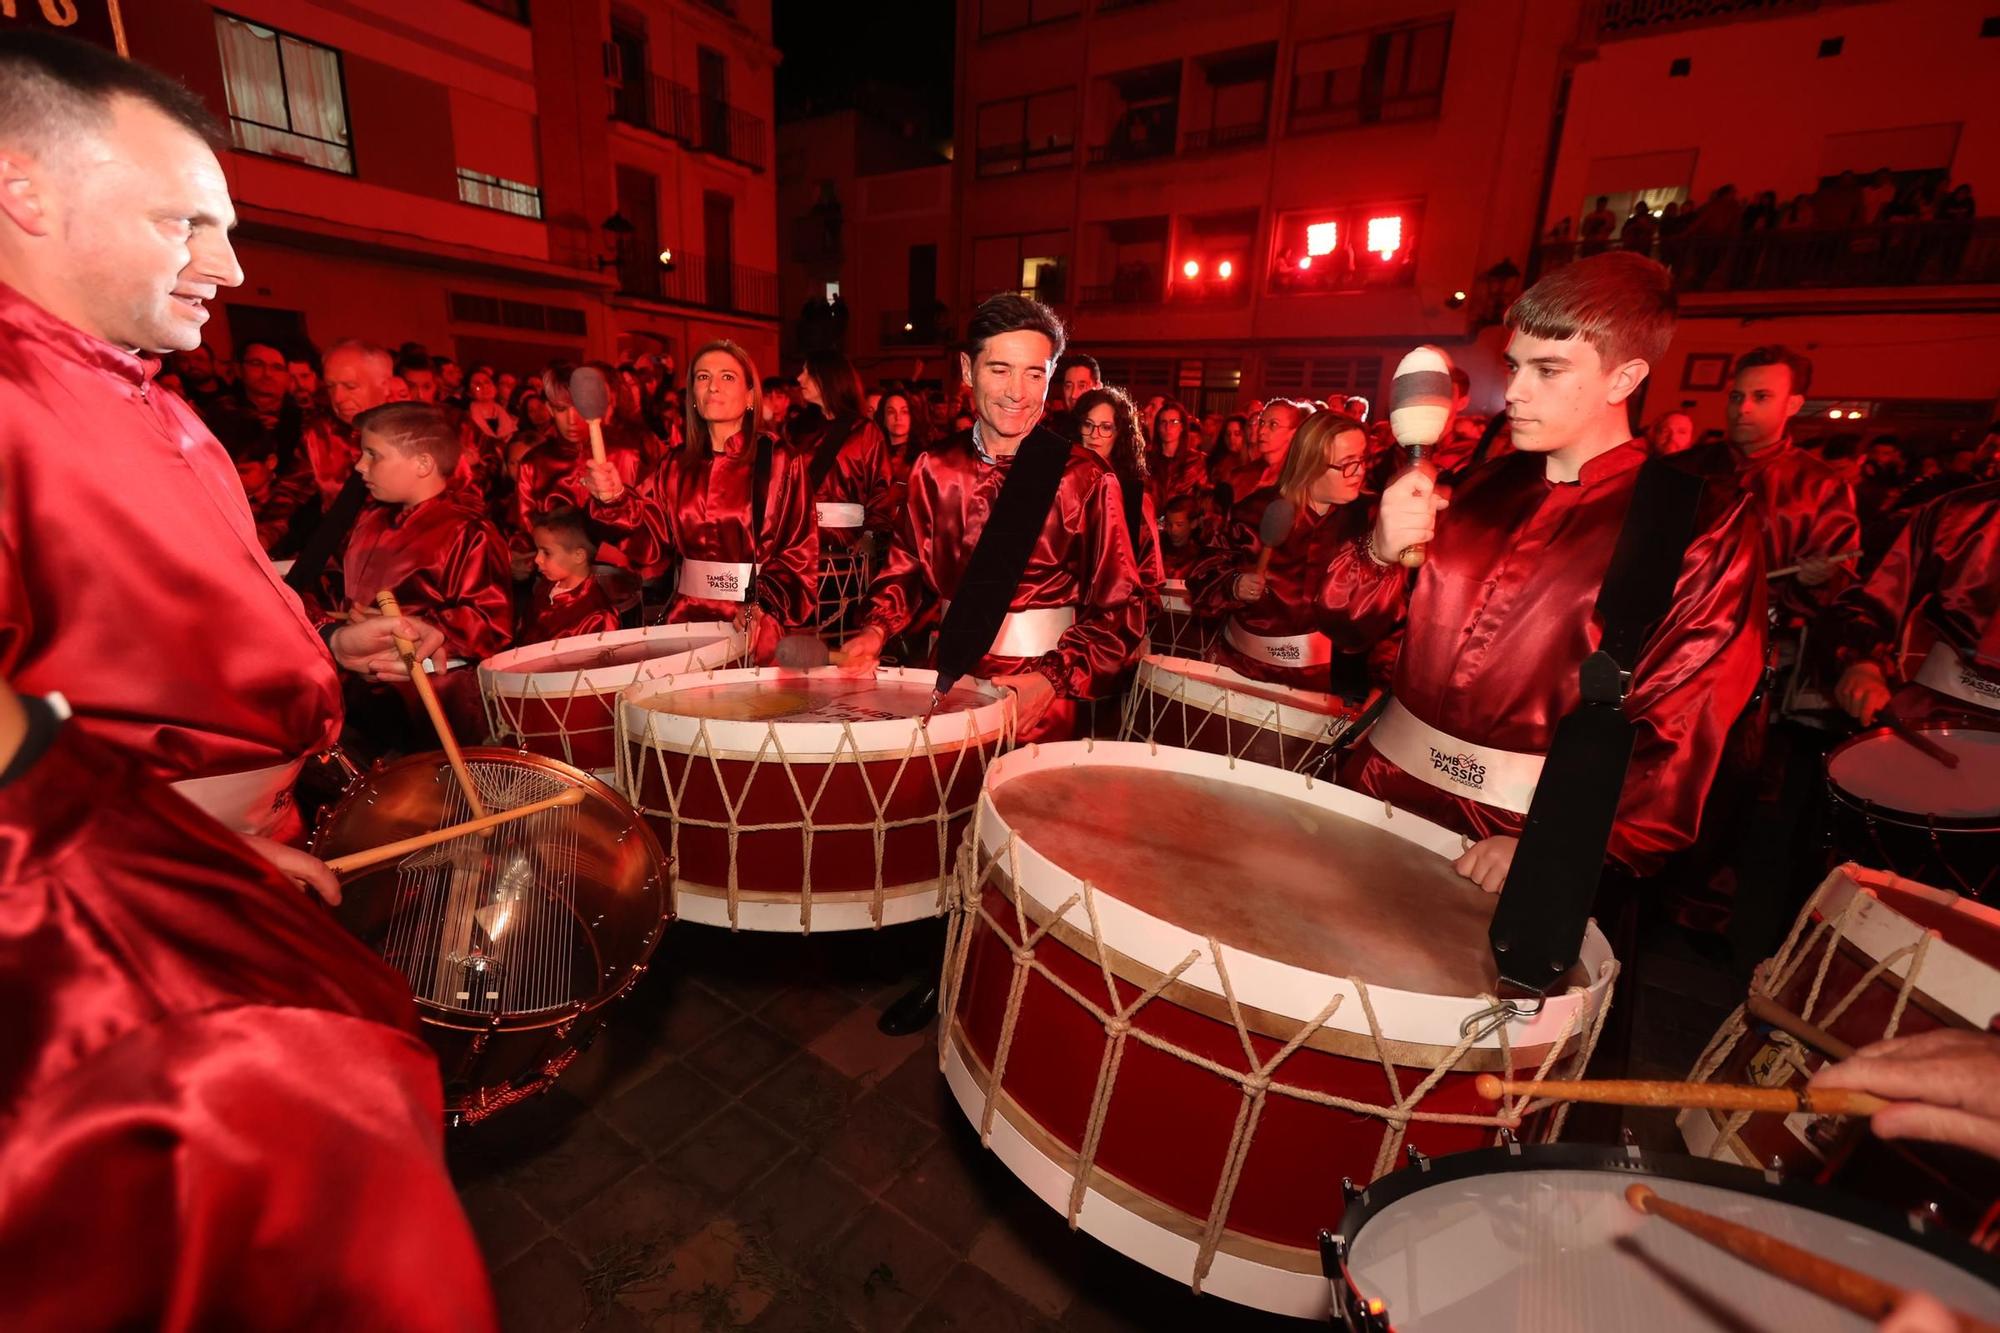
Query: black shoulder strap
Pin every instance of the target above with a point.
(831, 437)
(986, 592)
(328, 538)
(1538, 925)
(760, 490)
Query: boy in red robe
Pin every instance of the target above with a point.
(568, 600)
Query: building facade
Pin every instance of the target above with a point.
(498, 180)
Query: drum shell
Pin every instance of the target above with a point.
(1177, 631)
(1167, 707)
(1960, 854)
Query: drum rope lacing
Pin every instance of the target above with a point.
(508, 716)
(847, 574)
(1774, 976)
(1273, 722)
(1256, 1083)
(976, 748)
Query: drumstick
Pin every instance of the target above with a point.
(387, 601)
(1917, 740)
(1786, 570)
(1769, 1011)
(390, 851)
(590, 395)
(1866, 1296)
(1714, 1096)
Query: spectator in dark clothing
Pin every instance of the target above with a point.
(1639, 231)
(1598, 224)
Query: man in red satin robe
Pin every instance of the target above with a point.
(131, 578)
(1078, 614)
(1501, 612)
(1943, 569)
(214, 1110)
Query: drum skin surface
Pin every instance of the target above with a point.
(1892, 805)
(1216, 920)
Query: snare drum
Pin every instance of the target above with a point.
(560, 698)
(513, 942)
(809, 800)
(1203, 706)
(1872, 956)
(1543, 1239)
(1186, 997)
(1178, 632)
(1895, 806)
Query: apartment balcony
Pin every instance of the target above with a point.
(713, 284)
(904, 328)
(1131, 287)
(1644, 18)
(1141, 135)
(1221, 138)
(676, 111)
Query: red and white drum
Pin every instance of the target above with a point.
(1177, 631)
(1186, 1045)
(809, 800)
(845, 566)
(1872, 956)
(1202, 706)
(560, 698)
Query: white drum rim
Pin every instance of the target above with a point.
(1951, 976)
(1283, 989)
(1174, 596)
(497, 678)
(731, 738)
(1254, 705)
(843, 910)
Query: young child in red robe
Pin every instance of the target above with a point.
(568, 600)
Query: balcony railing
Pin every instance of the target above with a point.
(904, 328)
(1217, 138)
(1642, 18)
(1138, 287)
(675, 110)
(714, 284)
(1909, 254)
(1005, 159)
(1139, 136)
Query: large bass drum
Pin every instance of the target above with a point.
(514, 941)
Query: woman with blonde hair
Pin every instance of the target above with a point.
(732, 505)
(1271, 630)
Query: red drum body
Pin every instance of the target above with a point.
(1187, 1047)
(1177, 631)
(515, 942)
(560, 698)
(808, 800)
(1201, 706)
(1872, 956)
(845, 566)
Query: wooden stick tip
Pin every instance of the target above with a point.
(572, 796)
(1639, 1196)
(1489, 1086)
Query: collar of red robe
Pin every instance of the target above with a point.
(1613, 462)
(28, 321)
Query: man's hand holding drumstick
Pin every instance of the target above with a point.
(1943, 1086)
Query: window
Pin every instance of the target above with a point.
(1370, 77)
(285, 96)
(476, 187)
(1035, 264)
(1344, 248)
(1212, 257)
(1322, 377)
(473, 308)
(1033, 133)
(1137, 113)
(998, 16)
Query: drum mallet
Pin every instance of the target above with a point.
(421, 679)
(1713, 1096)
(806, 652)
(590, 395)
(1272, 529)
(1869, 1297)
(1419, 410)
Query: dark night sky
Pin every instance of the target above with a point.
(834, 51)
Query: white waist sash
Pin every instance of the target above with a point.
(256, 801)
(1504, 779)
(1028, 633)
(1948, 673)
(715, 580)
(1283, 650)
(839, 514)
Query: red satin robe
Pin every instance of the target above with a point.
(552, 474)
(1290, 604)
(214, 1110)
(1177, 562)
(554, 614)
(1247, 476)
(1186, 473)
(1943, 566)
(1808, 511)
(698, 508)
(1083, 559)
(1501, 615)
(446, 564)
(327, 453)
(860, 473)
(131, 577)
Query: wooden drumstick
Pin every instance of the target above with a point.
(421, 679)
(590, 395)
(1713, 1096)
(1785, 571)
(390, 851)
(1866, 1296)
(1768, 1011)
(1916, 740)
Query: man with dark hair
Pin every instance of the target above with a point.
(421, 376)
(1078, 374)
(1076, 617)
(1501, 614)
(303, 364)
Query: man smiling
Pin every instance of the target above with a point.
(1503, 611)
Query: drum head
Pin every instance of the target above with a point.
(1248, 862)
(1882, 770)
(584, 661)
(816, 699)
(817, 713)
(1543, 1238)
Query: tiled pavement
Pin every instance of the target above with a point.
(743, 1149)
